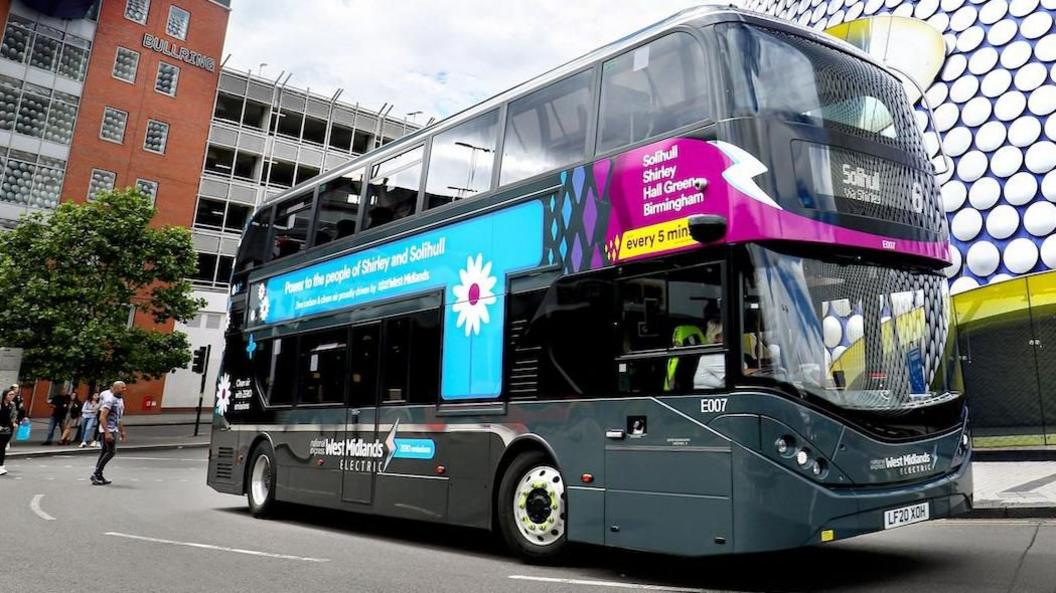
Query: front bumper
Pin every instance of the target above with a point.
(775, 509)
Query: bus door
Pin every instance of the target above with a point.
(360, 460)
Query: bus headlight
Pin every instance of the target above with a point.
(803, 457)
(785, 445)
(819, 468)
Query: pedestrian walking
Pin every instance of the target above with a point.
(73, 420)
(8, 424)
(90, 420)
(59, 403)
(19, 406)
(111, 409)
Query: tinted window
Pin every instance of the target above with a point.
(411, 362)
(653, 89)
(561, 341)
(363, 371)
(774, 73)
(397, 359)
(664, 315)
(283, 371)
(292, 219)
(547, 129)
(461, 160)
(261, 362)
(254, 248)
(425, 358)
(322, 367)
(338, 207)
(662, 311)
(393, 189)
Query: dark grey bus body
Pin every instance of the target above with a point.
(695, 484)
(693, 473)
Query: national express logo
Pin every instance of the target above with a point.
(361, 455)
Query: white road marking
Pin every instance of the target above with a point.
(212, 547)
(612, 584)
(34, 505)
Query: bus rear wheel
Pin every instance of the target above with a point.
(532, 509)
(260, 489)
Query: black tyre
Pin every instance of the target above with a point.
(260, 481)
(532, 510)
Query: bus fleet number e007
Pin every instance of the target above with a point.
(713, 405)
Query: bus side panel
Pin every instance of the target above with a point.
(586, 519)
(470, 493)
(678, 524)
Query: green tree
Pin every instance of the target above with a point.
(68, 278)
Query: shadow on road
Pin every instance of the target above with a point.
(817, 568)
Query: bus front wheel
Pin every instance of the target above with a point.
(260, 491)
(532, 508)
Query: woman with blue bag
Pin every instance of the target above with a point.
(8, 423)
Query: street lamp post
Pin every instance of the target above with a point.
(472, 162)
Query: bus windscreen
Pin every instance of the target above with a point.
(862, 337)
(772, 72)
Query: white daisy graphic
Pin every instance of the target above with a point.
(223, 394)
(474, 294)
(264, 306)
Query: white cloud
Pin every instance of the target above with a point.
(437, 57)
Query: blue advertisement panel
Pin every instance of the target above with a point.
(469, 260)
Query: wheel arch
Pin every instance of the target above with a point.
(257, 440)
(518, 446)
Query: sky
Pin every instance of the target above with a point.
(433, 56)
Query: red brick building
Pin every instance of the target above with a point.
(118, 93)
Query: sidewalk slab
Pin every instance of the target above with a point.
(1014, 489)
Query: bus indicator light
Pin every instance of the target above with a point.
(441, 470)
(827, 535)
(587, 478)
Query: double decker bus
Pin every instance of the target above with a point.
(683, 294)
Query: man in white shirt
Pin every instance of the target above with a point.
(111, 409)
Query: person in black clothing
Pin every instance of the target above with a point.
(19, 405)
(8, 424)
(73, 420)
(59, 403)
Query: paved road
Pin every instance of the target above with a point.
(158, 528)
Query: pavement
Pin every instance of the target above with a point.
(1016, 484)
(161, 529)
(145, 432)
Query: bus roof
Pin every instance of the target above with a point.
(696, 16)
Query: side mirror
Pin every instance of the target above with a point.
(705, 228)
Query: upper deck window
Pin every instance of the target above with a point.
(339, 207)
(652, 89)
(292, 219)
(393, 189)
(461, 160)
(793, 77)
(253, 250)
(547, 129)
